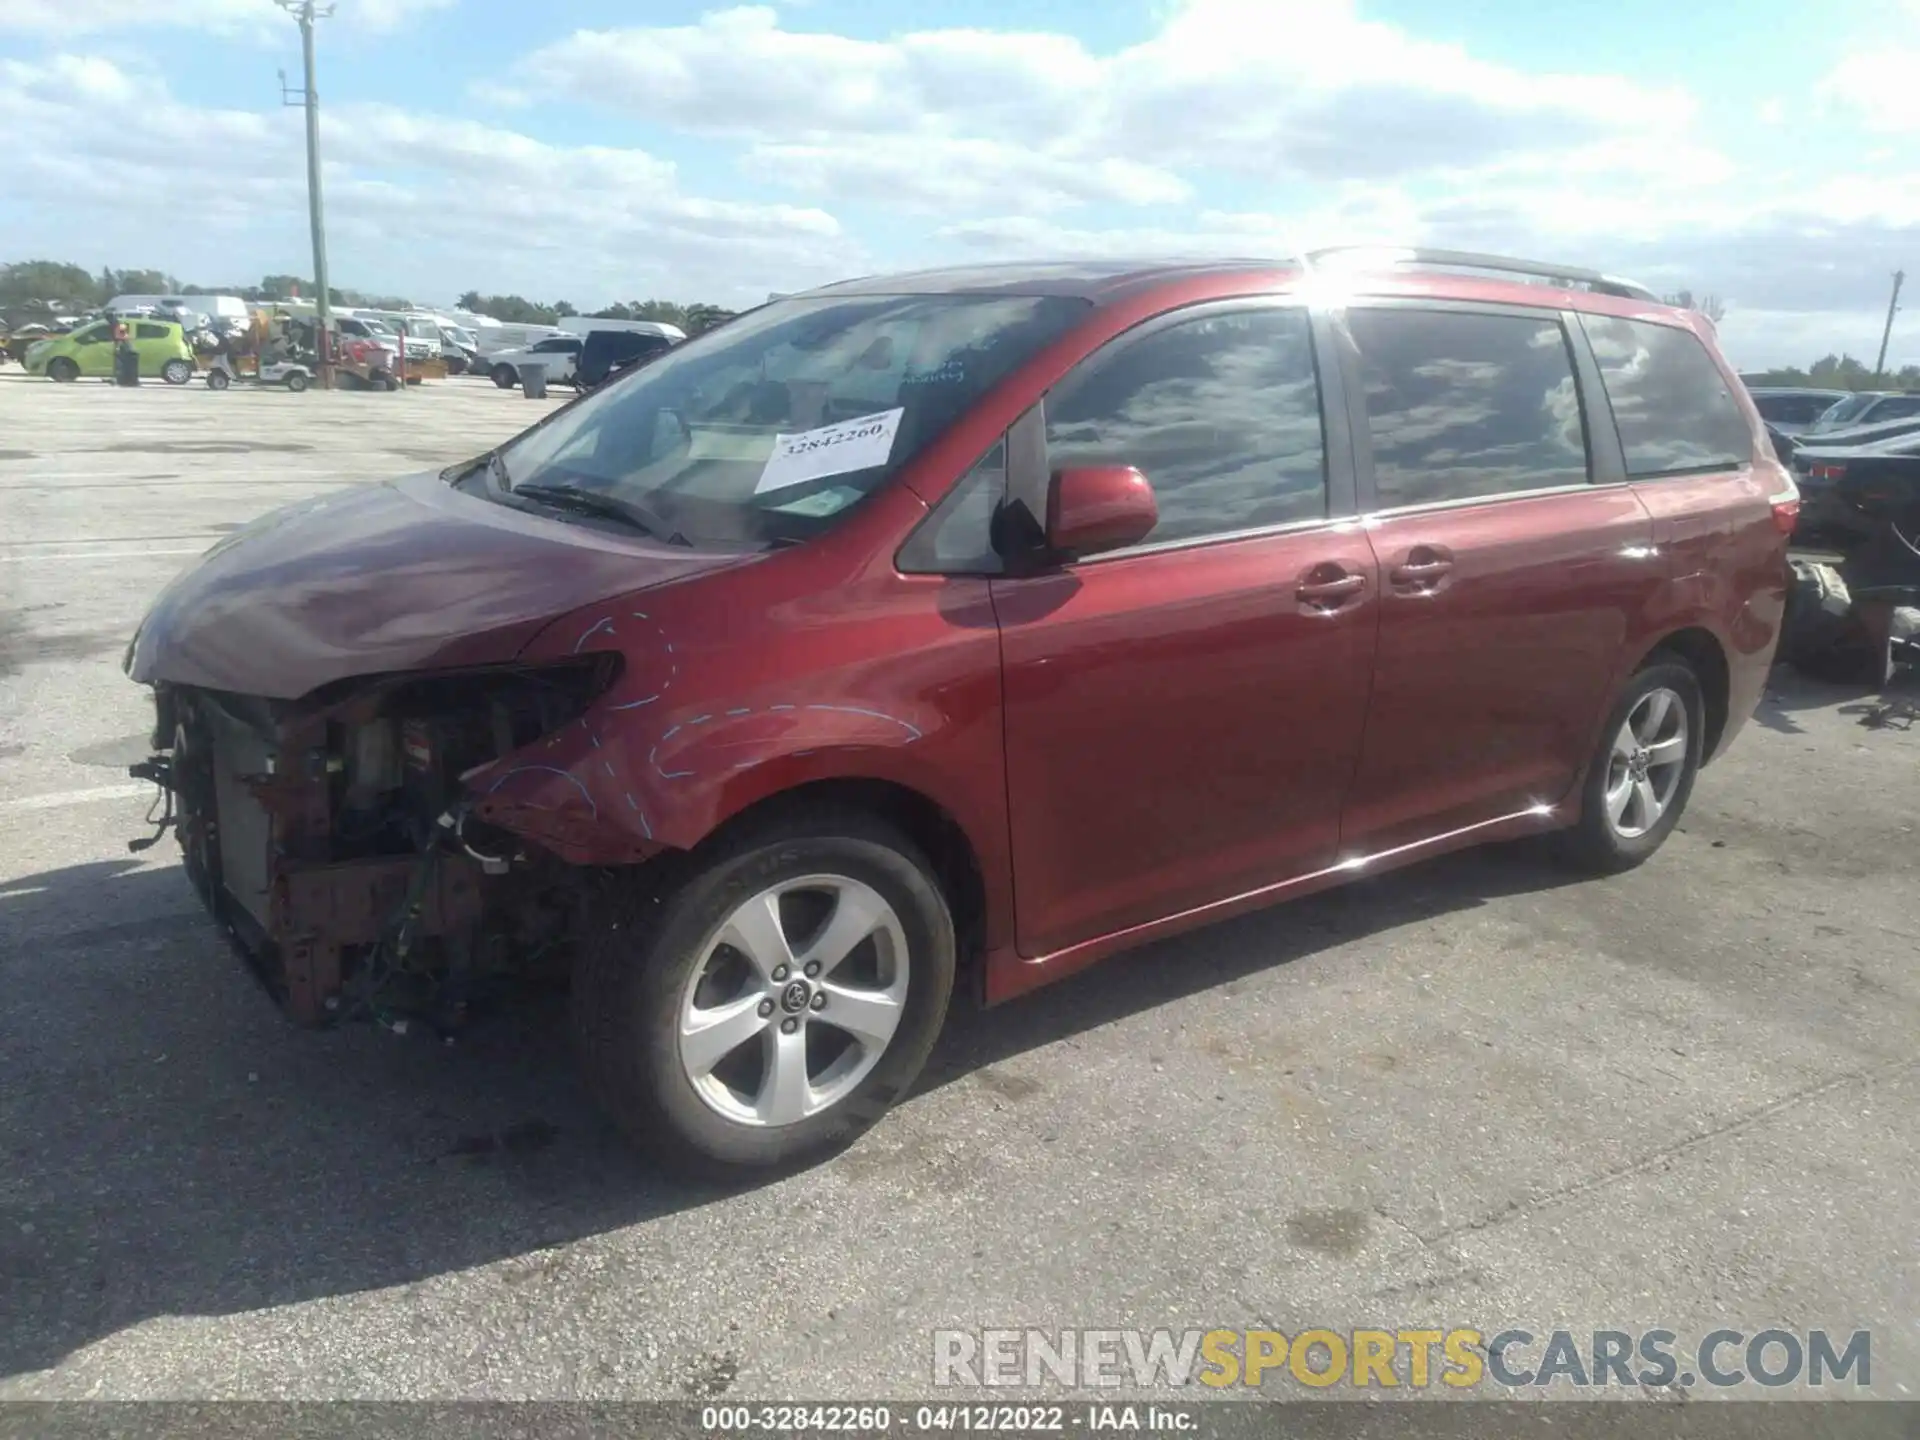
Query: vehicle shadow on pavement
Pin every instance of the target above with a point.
(172, 1146)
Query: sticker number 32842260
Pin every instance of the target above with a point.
(837, 449)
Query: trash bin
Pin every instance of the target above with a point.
(533, 381)
(126, 366)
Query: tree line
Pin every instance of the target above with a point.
(35, 289)
(1839, 372)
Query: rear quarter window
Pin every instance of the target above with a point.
(151, 332)
(1671, 405)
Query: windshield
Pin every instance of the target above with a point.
(769, 429)
(460, 336)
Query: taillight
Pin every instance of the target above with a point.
(1786, 514)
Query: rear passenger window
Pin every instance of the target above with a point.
(1670, 402)
(1221, 413)
(150, 332)
(1461, 405)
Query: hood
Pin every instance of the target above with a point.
(407, 575)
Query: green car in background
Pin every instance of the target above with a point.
(160, 344)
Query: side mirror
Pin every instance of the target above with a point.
(1098, 507)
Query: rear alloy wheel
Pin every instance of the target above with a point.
(62, 369)
(1639, 782)
(504, 377)
(774, 1004)
(177, 372)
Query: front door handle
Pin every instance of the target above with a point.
(1325, 588)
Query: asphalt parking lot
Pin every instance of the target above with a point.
(1472, 1093)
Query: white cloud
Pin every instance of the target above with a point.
(1269, 89)
(1874, 84)
(419, 204)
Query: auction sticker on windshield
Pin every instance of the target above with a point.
(837, 449)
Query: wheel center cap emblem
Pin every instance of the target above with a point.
(794, 998)
(1637, 766)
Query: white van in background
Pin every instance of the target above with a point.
(498, 337)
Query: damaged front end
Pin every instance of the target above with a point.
(336, 842)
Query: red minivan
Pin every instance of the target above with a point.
(969, 625)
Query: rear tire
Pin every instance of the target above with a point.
(505, 377)
(658, 961)
(177, 372)
(62, 370)
(296, 382)
(1642, 772)
(218, 380)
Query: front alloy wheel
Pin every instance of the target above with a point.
(794, 1001)
(760, 1002)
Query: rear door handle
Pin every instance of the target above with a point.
(1424, 566)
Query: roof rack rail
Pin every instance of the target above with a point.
(1505, 264)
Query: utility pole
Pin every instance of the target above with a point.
(1880, 365)
(306, 12)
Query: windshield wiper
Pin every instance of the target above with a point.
(610, 507)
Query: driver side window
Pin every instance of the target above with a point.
(1221, 413)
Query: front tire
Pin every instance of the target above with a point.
(62, 370)
(218, 380)
(296, 382)
(177, 372)
(505, 377)
(1642, 774)
(764, 1006)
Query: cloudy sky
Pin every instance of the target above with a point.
(594, 150)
